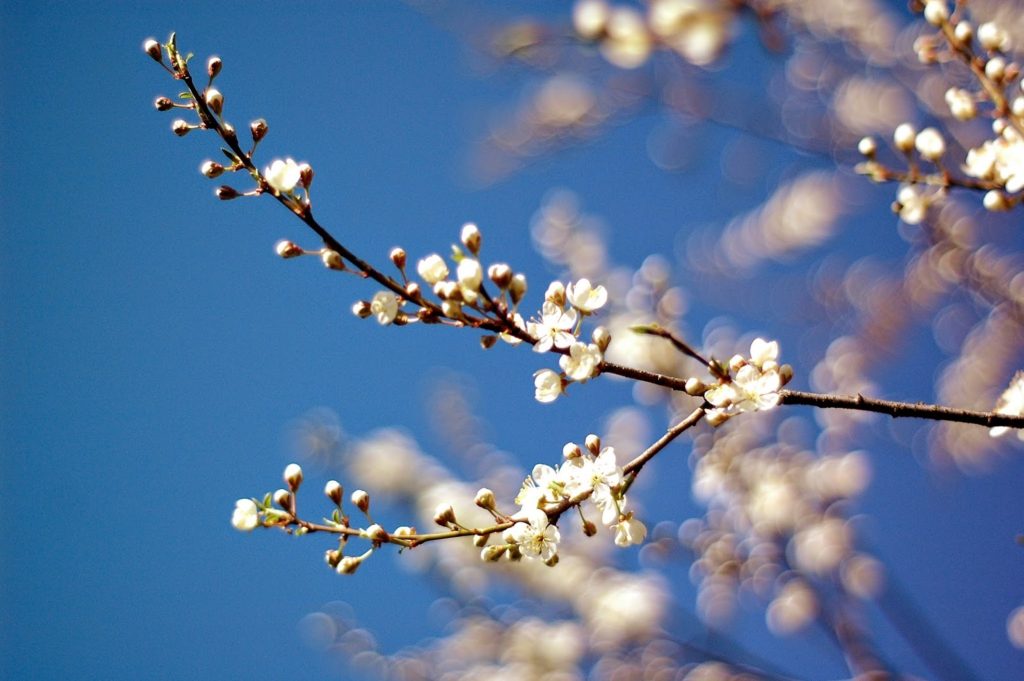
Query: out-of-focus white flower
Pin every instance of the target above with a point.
(384, 307)
(696, 29)
(1011, 403)
(246, 515)
(432, 269)
(586, 298)
(961, 104)
(547, 385)
(629, 531)
(993, 37)
(582, 361)
(1001, 160)
(536, 537)
(929, 144)
(283, 175)
(903, 137)
(554, 328)
(913, 204)
(936, 12)
(627, 43)
(589, 18)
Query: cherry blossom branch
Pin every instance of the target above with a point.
(918, 410)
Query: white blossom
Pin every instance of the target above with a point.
(961, 104)
(470, 274)
(554, 328)
(246, 515)
(283, 176)
(582, 361)
(750, 390)
(1001, 160)
(536, 537)
(913, 204)
(1011, 403)
(384, 307)
(586, 298)
(762, 351)
(548, 386)
(432, 269)
(629, 531)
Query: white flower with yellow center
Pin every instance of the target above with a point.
(283, 176)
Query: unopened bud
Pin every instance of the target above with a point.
(737, 362)
(334, 491)
(259, 129)
(517, 288)
(716, 417)
(552, 561)
(332, 259)
(376, 533)
(904, 137)
(361, 309)
(963, 32)
(996, 68)
(288, 249)
(163, 104)
(589, 528)
(994, 201)
(412, 290)
(152, 48)
(180, 127)
(571, 450)
(214, 100)
(282, 498)
(226, 193)
(480, 540)
(593, 444)
(485, 499)
(500, 274)
(305, 175)
(444, 515)
(211, 169)
(493, 553)
(213, 66)
(785, 373)
(694, 386)
(397, 256)
(488, 342)
(404, 531)
(361, 500)
(867, 147)
(229, 132)
(348, 565)
(293, 476)
(602, 338)
(332, 556)
(471, 237)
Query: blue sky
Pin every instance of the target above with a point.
(155, 349)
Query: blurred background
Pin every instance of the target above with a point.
(159, 361)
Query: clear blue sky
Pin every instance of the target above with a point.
(154, 348)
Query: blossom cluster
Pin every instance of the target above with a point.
(996, 166)
(747, 383)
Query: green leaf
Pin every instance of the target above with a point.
(185, 95)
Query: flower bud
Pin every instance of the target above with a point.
(593, 444)
(867, 147)
(211, 169)
(152, 48)
(361, 500)
(500, 274)
(305, 175)
(288, 249)
(785, 373)
(517, 288)
(258, 128)
(229, 132)
(332, 259)
(493, 553)
(602, 338)
(180, 127)
(293, 476)
(992, 37)
(282, 498)
(694, 386)
(332, 556)
(163, 104)
(571, 450)
(470, 274)
(929, 144)
(362, 309)
(716, 417)
(334, 491)
(480, 540)
(935, 12)
(485, 499)
(226, 193)
(412, 290)
(376, 533)
(214, 100)
(213, 66)
(963, 32)
(589, 528)
(904, 136)
(552, 561)
(996, 68)
(488, 342)
(444, 515)
(995, 201)
(471, 237)
(397, 256)
(348, 565)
